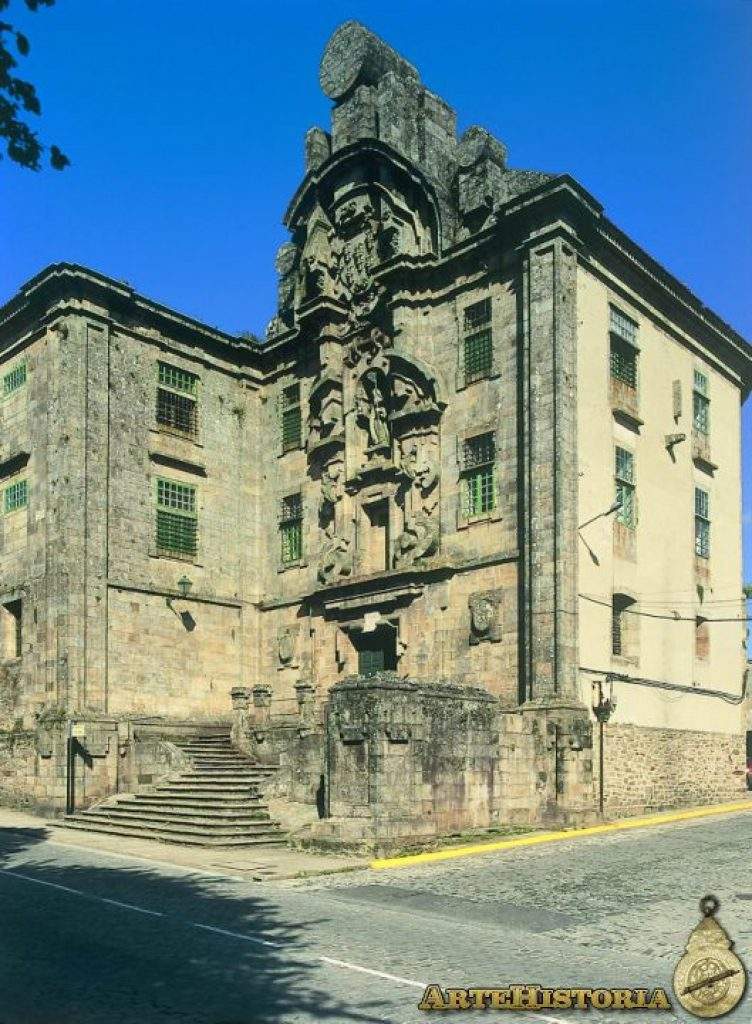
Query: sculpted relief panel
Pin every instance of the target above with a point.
(340, 244)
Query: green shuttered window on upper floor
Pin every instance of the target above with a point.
(291, 529)
(16, 496)
(291, 418)
(14, 379)
(477, 341)
(177, 519)
(177, 400)
(478, 475)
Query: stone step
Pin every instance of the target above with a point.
(197, 829)
(179, 816)
(134, 832)
(210, 800)
(227, 762)
(228, 770)
(234, 791)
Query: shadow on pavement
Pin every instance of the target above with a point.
(65, 959)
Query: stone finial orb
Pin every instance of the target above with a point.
(355, 56)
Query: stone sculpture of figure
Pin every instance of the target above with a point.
(420, 539)
(372, 411)
(335, 561)
(421, 468)
(330, 495)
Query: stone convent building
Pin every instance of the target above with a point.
(458, 543)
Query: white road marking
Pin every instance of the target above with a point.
(238, 935)
(343, 964)
(78, 892)
(367, 970)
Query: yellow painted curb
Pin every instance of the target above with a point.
(554, 837)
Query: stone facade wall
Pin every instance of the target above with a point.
(653, 769)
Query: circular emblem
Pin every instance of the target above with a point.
(709, 980)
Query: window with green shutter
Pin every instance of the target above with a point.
(177, 520)
(623, 333)
(14, 379)
(16, 496)
(702, 523)
(477, 341)
(625, 487)
(478, 475)
(292, 421)
(177, 399)
(700, 404)
(291, 529)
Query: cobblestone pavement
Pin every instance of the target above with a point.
(86, 938)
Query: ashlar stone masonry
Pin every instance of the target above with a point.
(396, 542)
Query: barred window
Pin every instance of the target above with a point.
(625, 487)
(291, 528)
(14, 379)
(477, 341)
(177, 404)
(700, 404)
(623, 348)
(16, 496)
(292, 421)
(478, 475)
(702, 523)
(177, 521)
(622, 325)
(623, 633)
(623, 363)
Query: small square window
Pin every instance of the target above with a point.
(14, 379)
(16, 496)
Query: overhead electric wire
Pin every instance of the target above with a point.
(667, 618)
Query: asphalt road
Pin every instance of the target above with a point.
(89, 938)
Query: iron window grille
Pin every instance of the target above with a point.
(292, 420)
(622, 325)
(700, 404)
(177, 400)
(14, 379)
(478, 475)
(477, 341)
(619, 607)
(702, 523)
(177, 520)
(625, 487)
(623, 348)
(16, 496)
(291, 529)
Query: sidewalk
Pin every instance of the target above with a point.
(256, 863)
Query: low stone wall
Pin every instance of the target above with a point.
(653, 769)
(406, 758)
(294, 743)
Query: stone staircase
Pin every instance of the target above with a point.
(218, 801)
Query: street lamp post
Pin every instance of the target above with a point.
(603, 707)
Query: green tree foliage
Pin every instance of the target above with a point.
(18, 98)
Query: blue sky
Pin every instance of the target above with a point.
(185, 124)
